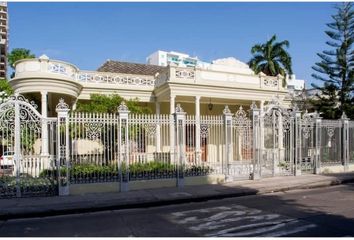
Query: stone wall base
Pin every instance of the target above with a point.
(80, 189)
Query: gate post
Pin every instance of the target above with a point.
(228, 142)
(45, 150)
(256, 141)
(345, 141)
(123, 143)
(297, 127)
(62, 110)
(180, 117)
(17, 148)
(318, 144)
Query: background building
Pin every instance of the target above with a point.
(295, 85)
(162, 58)
(3, 39)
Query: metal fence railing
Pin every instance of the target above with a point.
(331, 142)
(44, 156)
(351, 142)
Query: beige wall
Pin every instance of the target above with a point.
(189, 108)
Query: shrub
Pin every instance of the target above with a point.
(91, 170)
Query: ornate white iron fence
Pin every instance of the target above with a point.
(307, 142)
(93, 147)
(351, 142)
(27, 164)
(331, 142)
(43, 156)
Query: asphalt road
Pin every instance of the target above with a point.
(318, 212)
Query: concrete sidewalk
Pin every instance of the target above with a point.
(58, 205)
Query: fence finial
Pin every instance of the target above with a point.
(344, 116)
(179, 109)
(295, 107)
(240, 114)
(123, 107)
(253, 105)
(226, 110)
(62, 105)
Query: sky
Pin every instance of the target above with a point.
(87, 34)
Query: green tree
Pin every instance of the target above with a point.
(335, 68)
(5, 87)
(100, 103)
(18, 54)
(271, 58)
(327, 101)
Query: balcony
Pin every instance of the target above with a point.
(206, 77)
(44, 70)
(58, 69)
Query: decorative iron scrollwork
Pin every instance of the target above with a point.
(93, 130)
(204, 130)
(150, 129)
(307, 124)
(287, 121)
(241, 115)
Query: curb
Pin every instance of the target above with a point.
(159, 203)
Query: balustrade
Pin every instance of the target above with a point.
(45, 67)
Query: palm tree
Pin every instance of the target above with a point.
(271, 58)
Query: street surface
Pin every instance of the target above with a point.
(318, 212)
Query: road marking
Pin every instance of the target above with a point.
(238, 221)
(290, 231)
(180, 194)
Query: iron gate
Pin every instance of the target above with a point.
(27, 165)
(277, 141)
(241, 166)
(307, 137)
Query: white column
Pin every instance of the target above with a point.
(281, 132)
(44, 106)
(261, 108)
(228, 142)
(345, 141)
(158, 127)
(197, 130)
(172, 128)
(158, 107)
(74, 105)
(172, 104)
